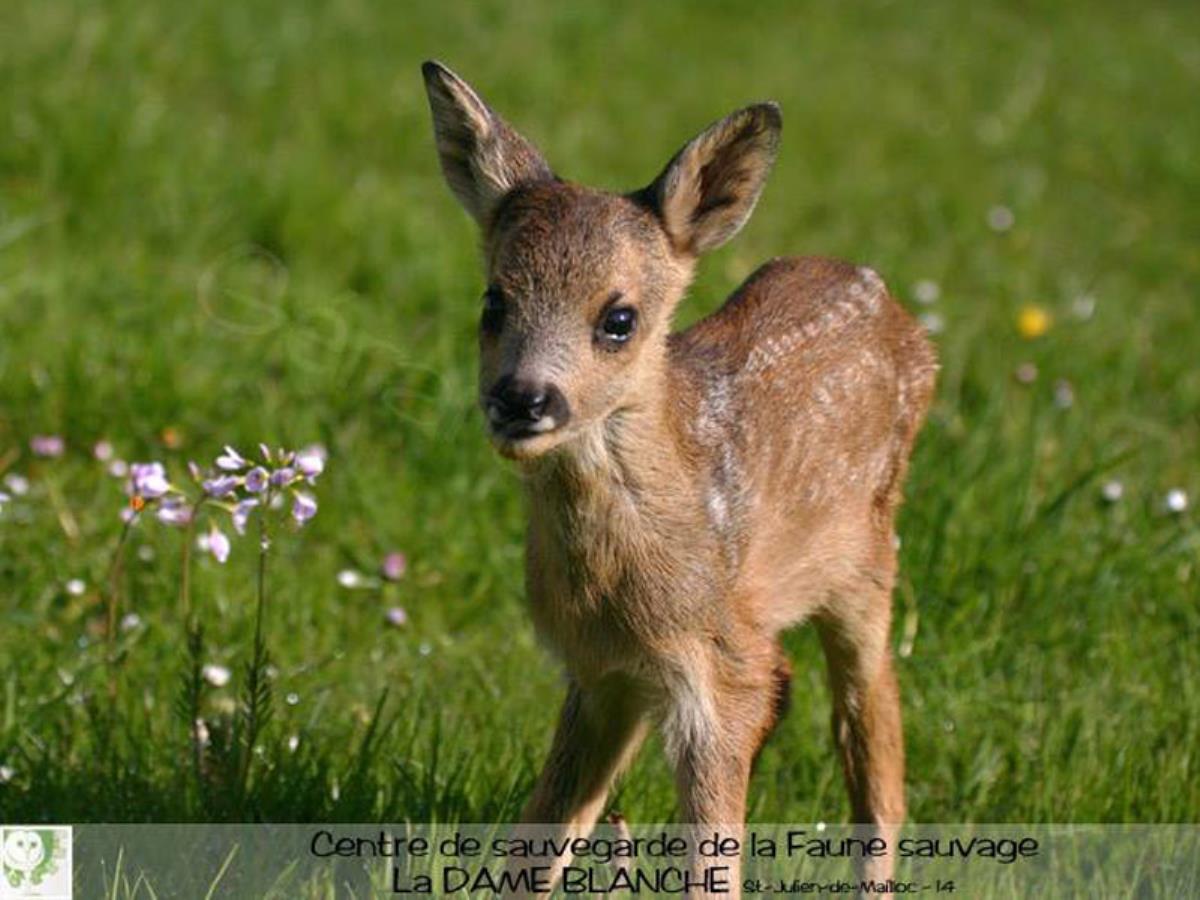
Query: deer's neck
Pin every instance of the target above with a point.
(635, 469)
(618, 520)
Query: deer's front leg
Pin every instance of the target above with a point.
(599, 730)
(716, 723)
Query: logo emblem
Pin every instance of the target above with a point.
(35, 861)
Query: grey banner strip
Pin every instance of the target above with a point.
(297, 862)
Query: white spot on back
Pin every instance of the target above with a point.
(864, 297)
(717, 427)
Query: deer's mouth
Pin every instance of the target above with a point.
(522, 437)
(524, 449)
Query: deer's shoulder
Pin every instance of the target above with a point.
(799, 312)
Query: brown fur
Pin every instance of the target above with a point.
(710, 488)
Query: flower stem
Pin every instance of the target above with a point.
(112, 601)
(185, 563)
(193, 686)
(257, 691)
(194, 637)
(263, 545)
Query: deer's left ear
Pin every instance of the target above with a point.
(707, 192)
(482, 156)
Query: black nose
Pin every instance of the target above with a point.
(522, 402)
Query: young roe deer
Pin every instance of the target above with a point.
(691, 495)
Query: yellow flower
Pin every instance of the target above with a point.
(1032, 322)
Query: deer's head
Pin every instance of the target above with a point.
(582, 283)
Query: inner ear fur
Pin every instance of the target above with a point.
(709, 189)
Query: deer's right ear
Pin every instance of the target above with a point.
(482, 157)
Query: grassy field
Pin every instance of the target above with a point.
(224, 223)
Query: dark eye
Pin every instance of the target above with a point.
(492, 320)
(617, 324)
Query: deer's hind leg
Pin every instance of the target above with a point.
(780, 694)
(855, 635)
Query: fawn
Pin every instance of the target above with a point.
(690, 494)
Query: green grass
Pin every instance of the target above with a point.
(227, 220)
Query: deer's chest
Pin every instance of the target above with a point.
(612, 586)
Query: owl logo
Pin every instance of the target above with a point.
(31, 862)
(24, 851)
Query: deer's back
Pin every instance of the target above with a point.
(805, 392)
